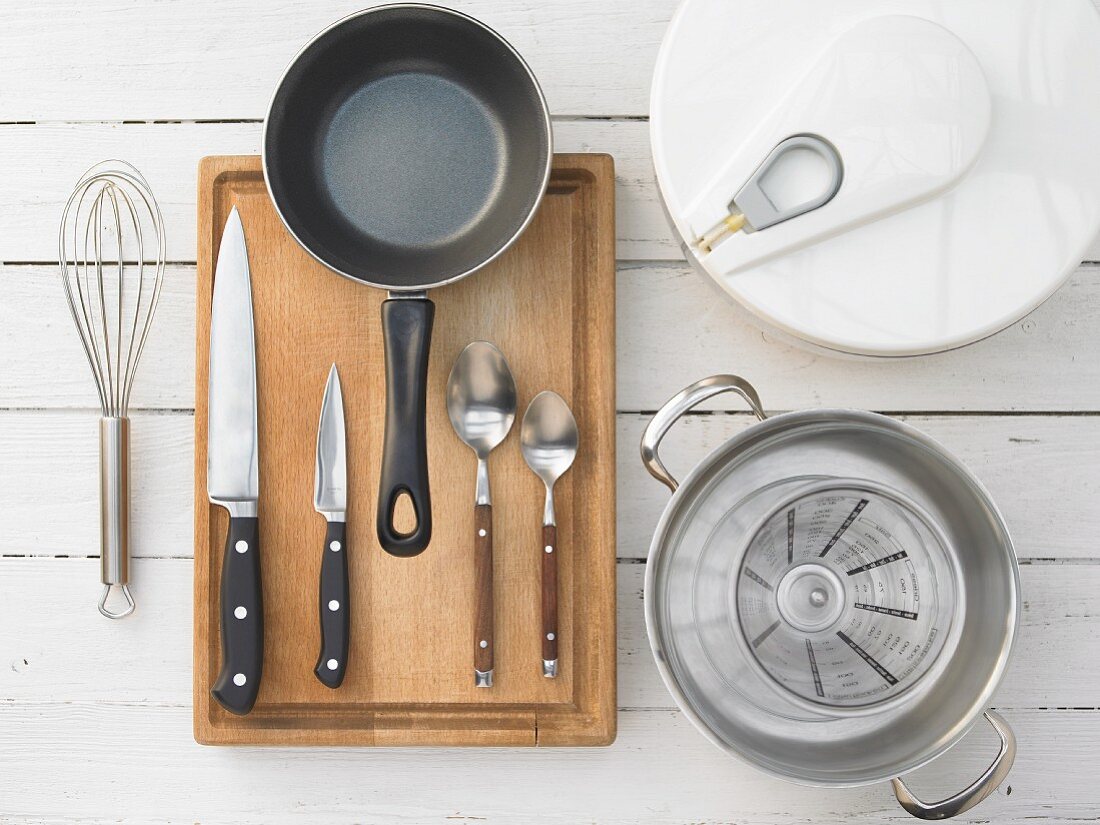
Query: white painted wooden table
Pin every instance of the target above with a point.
(95, 716)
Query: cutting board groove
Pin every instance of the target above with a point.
(549, 303)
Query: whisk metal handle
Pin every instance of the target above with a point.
(114, 512)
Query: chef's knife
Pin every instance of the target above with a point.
(330, 499)
(232, 471)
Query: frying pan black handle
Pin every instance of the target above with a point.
(407, 334)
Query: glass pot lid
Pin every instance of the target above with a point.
(844, 596)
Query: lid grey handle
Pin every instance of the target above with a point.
(966, 799)
(754, 207)
(759, 209)
(680, 404)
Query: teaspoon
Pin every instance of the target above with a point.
(549, 439)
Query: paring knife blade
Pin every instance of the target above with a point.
(330, 499)
(232, 470)
(330, 494)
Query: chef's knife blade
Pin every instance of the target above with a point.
(232, 470)
(232, 458)
(330, 499)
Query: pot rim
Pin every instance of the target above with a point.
(686, 491)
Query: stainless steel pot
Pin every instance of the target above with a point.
(832, 597)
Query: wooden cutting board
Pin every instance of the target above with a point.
(549, 304)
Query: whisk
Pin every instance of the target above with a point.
(111, 256)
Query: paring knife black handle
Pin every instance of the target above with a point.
(407, 335)
(334, 607)
(242, 618)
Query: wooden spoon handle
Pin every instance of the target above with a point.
(549, 601)
(483, 582)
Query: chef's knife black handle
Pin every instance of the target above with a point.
(333, 660)
(242, 618)
(407, 335)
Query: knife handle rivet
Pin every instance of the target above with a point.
(239, 679)
(334, 547)
(483, 643)
(334, 605)
(332, 664)
(549, 548)
(241, 546)
(240, 611)
(481, 533)
(550, 636)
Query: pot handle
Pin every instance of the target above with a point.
(966, 799)
(407, 338)
(677, 406)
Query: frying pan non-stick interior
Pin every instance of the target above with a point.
(407, 146)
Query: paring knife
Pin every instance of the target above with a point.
(232, 471)
(330, 499)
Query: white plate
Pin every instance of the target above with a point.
(969, 250)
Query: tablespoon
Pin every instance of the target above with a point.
(481, 402)
(548, 439)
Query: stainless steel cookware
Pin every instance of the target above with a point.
(832, 597)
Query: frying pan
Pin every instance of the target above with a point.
(406, 146)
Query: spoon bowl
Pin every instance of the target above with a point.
(548, 437)
(481, 397)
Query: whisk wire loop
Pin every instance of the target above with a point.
(112, 229)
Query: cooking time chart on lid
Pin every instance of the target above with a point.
(841, 598)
